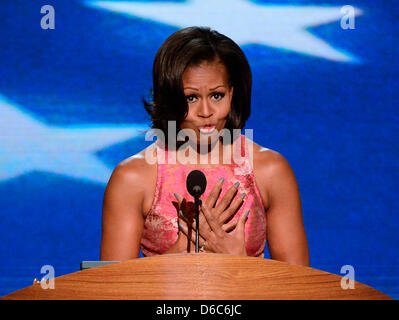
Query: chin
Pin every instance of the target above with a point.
(207, 138)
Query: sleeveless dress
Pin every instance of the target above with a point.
(160, 226)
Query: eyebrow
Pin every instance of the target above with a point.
(209, 89)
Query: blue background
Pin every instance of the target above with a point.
(335, 122)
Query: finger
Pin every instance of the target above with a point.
(178, 197)
(181, 201)
(189, 233)
(204, 230)
(241, 223)
(182, 205)
(230, 226)
(232, 209)
(223, 204)
(204, 227)
(183, 228)
(233, 223)
(214, 194)
(213, 223)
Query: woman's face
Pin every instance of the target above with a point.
(208, 95)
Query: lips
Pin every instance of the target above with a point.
(207, 129)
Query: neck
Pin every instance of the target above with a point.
(215, 153)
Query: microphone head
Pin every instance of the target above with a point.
(196, 183)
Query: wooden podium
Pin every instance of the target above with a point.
(200, 276)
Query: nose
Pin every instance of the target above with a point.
(205, 110)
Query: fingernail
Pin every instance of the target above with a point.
(176, 196)
(181, 225)
(236, 184)
(221, 180)
(181, 213)
(243, 195)
(247, 213)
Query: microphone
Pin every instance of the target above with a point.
(196, 185)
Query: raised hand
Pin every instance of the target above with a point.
(214, 231)
(222, 241)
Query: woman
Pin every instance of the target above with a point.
(202, 82)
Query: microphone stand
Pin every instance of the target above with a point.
(197, 203)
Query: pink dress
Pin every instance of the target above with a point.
(160, 227)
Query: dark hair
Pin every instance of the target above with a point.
(191, 46)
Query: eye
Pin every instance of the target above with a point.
(191, 98)
(218, 96)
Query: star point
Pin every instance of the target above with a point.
(27, 144)
(278, 26)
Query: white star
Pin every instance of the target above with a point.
(245, 22)
(27, 144)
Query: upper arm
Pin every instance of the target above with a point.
(286, 233)
(122, 216)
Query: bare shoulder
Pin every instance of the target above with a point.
(270, 168)
(137, 176)
(134, 168)
(268, 161)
